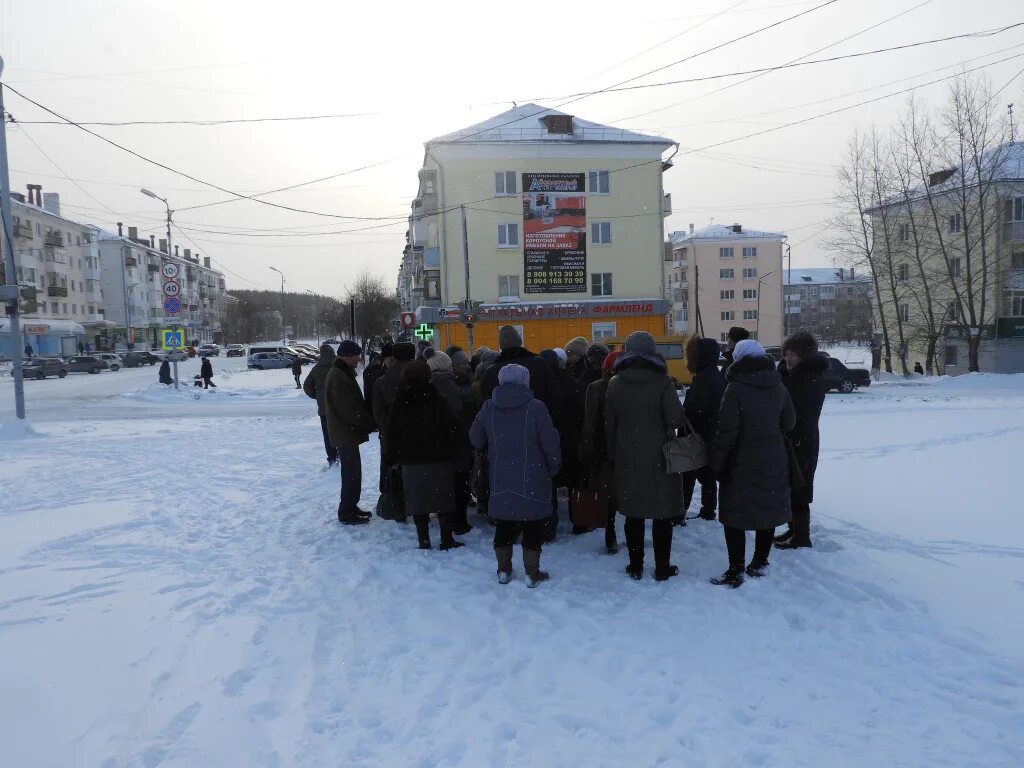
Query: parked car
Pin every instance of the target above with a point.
(137, 359)
(838, 376)
(234, 350)
(41, 367)
(209, 350)
(267, 360)
(114, 361)
(304, 355)
(87, 364)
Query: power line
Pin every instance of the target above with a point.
(226, 121)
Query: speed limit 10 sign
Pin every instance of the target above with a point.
(169, 270)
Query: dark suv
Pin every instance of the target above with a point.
(838, 376)
(41, 367)
(138, 359)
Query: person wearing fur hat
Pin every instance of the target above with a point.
(315, 387)
(523, 455)
(543, 382)
(442, 376)
(641, 411)
(575, 352)
(593, 453)
(375, 370)
(750, 460)
(803, 371)
(424, 437)
(349, 423)
(701, 404)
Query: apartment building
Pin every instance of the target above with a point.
(554, 223)
(133, 290)
(832, 303)
(59, 257)
(725, 275)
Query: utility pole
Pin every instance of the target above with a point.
(284, 336)
(316, 315)
(124, 272)
(11, 291)
(757, 323)
(699, 322)
(789, 282)
(469, 302)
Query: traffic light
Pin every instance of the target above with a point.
(470, 319)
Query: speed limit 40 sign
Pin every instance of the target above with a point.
(171, 288)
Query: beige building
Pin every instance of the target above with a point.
(559, 219)
(725, 275)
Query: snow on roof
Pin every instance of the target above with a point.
(820, 276)
(525, 123)
(724, 232)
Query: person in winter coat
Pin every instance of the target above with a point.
(165, 373)
(543, 382)
(442, 377)
(523, 454)
(593, 366)
(594, 456)
(803, 374)
(297, 371)
(378, 367)
(735, 336)
(918, 368)
(424, 437)
(575, 354)
(463, 372)
(479, 483)
(385, 388)
(349, 424)
(569, 423)
(206, 373)
(28, 351)
(315, 387)
(701, 403)
(641, 411)
(750, 460)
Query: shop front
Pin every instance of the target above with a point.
(48, 338)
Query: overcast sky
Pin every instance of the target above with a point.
(412, 71)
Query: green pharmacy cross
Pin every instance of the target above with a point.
(425, 332)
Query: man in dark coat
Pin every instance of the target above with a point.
(569, 423)
(543, 383)
(206, 372)
(349, 424)
(701, 403)
(442, 377)
(378, 367)
(165, 373)
(803, 372)
(315, 387)
(593, 454)
(750, 460)
(297, 370)
(735, 336)
(385, 390)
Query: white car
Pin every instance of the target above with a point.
(113, 361)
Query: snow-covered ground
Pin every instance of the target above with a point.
(175, 591)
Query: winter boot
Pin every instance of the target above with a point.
(422, 530)
(531, 564)
(447, 541)
(785, 536)
(666, 573)
(731, 578)
(661, 533)
(707, 514)
(793, 543)
(356, 518)
(611, 544)
(504, 557)
(757, 568)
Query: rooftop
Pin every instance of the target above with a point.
(724, 232)
(527, 123)
(821, 276)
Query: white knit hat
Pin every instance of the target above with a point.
(747, 348)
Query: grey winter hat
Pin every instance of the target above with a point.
(641, 342)
(439, 361)
(747, 348)
(514, 374)
(509, 337)
(460, 358)
(577, 347)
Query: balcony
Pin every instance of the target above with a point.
(56, 254)
(677, 295)
(56, 290)
(1013, 232)
(23, 230)
(94, 295)
(53, 238)
(131, 261)
(680, 264)
(91, 273)
(152, 266)
(93, 318)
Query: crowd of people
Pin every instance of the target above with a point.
(506, 430)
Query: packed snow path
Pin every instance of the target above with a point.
(175, 591)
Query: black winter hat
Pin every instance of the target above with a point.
(387, 350)
(403, 350)
(801, 344)
(738, 333)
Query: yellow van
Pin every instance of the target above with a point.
(672, 348)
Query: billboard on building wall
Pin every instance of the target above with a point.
(554, 233)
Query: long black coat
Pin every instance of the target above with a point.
(806, 385)
(543, 382)
(315, 385)
(206, 368)
(385, 390)
(349, 422)
(749, 454)
(371, 373)
(704, 395)
(593, 453)
(458, 400)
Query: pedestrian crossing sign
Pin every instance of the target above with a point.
(172, 338)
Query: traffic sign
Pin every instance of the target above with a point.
(425, 332)
(172, 339)
(408, 320)
(171, 288)
(172, 305)
(169, 270)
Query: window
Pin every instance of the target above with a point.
(954, 267)
(749, 294)
(1015, 304)
(904, 233)
(905, 313)
(504, 182)
(598, 181)
(78, 240)
(1014, 210)
(508, 235)
(726, 253)
(728, 315)
(952, 357)
(1017, 260)
(64, 308)
(724, 337)
(726, 274)
(726, 295)
(903, 273)
(750, 252)
(749, 273)
(508, 285)
(814, 291)
(432, 287)
(42, 307)
(602, 331)
(955, 224)
(74, 309)
(750, 314)
(953, 313)
(849, 293)
(601, 284)
(601, 233)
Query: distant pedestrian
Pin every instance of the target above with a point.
(88, 348)
(523, 455)
(206, 373)
(315, 387)
(296, 370)
(424, 437)
(641, 411)
(749, 458)
(165, 373)
(918, 369)
(803, 371)
(349, 424)
(81, 348)
(735, 336)
(701, 404)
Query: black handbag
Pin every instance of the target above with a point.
(391, 502)
(796, 475)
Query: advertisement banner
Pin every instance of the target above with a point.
(554, 233)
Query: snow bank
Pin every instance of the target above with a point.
(982, 382)
(17, 429)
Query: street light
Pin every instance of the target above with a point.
(316, 315)
(789, 282)
(757, 323)
(284, 336)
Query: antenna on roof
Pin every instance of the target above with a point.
(1009, 108)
